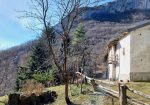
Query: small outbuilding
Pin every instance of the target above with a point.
(128, 57)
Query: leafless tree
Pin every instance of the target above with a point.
(66, 13)
(4, 75)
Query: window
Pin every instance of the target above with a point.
(123, 51)
(117, 57)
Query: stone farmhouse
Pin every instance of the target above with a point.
(128, 56)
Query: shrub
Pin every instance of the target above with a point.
(31, 86)
(44, 77)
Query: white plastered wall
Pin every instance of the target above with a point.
(123, 59)
(111, 67)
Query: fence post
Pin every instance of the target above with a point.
(123, 95)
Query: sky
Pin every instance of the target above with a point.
(13, 30)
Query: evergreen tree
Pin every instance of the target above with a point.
(40, 53)
(79, 45)
(23, 74)
(38, 58)
(79, 35)
(38, 66)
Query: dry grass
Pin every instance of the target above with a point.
(143, 87)
(3, 100)
(82, 99)
(78, 98)
(32, 86)
(74, 94)
(140, 86)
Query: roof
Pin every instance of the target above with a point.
(126, 32)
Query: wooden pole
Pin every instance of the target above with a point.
(81, 80)
(123, 95)
(112, 101)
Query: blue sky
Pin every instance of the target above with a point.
(13, 31)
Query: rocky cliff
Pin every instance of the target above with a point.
(119, 11)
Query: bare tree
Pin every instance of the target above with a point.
(66, 12)
(4, 75)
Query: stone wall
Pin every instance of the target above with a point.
(44, 98)
(140, 76)
(140, 54)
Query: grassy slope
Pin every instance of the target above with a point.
(78, 98)
(3, 99)
(140, 86)
(143, 87)
(74, 94)
(81, 99)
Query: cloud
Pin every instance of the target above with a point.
(9, 8)
(25, 22)
(5, 44)
(13, 30)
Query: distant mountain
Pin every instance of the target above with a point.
(125, 5)
(119, 11)
(101, 24)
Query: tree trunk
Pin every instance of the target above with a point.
(82, 71)
(81, 88)
(68, 102)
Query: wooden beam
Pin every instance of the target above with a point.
(138, 93)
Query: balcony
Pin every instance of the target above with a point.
(113, 59)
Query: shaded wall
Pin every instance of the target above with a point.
(140, 54)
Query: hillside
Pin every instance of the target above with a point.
(101, 24)
(87, 97)
(10, 60)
